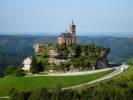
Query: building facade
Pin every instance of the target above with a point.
(27, 64)
(68, 37)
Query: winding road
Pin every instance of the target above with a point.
(76, 73)
(117, 71)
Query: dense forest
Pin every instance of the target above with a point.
(14, 48)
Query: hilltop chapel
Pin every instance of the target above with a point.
(68, 37)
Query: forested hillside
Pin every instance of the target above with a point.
(13, 48)
(121, 47)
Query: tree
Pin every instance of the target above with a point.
(65, 65)
(40, 67)
(41, 94)
(78, 50)
(57, 92)
(10, 70)
(34, 67)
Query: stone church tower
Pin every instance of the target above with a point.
(72, 30)
(68, 37)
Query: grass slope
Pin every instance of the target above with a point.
(31, 83)
(125, 77)
(119, 87)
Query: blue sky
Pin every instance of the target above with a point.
(56, 15)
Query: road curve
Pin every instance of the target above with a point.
(79, 73)
(72, 73)
(114, 73)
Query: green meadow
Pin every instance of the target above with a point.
(50, 82)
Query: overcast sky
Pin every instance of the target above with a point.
(56, 15)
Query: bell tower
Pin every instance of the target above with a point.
(72, 29)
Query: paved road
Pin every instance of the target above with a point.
(114, 73)
(79, 73)
(74, 73)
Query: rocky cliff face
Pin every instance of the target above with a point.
(103, 62)
(89, 56)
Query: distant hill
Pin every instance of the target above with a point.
(121, 47)
(14, 48)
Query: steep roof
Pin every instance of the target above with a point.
(66, 35)
(28, 60)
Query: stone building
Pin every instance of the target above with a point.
(38, 48)
(68, 37)
(27, 64)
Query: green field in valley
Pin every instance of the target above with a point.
(31, 83)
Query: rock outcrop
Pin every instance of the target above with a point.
(103, 62)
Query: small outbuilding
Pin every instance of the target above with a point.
(27, 64)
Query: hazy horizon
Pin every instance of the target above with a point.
(78, 34)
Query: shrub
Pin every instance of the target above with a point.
(19, 72)
(19, 95)
(34, 68)
(41, 94)
(122, 82)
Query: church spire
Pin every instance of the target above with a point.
(67, 31)
(72, 22)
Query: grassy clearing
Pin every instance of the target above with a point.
(31, 83)
(124, 78)
(119, 87)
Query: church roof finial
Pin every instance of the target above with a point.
(72, 22)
